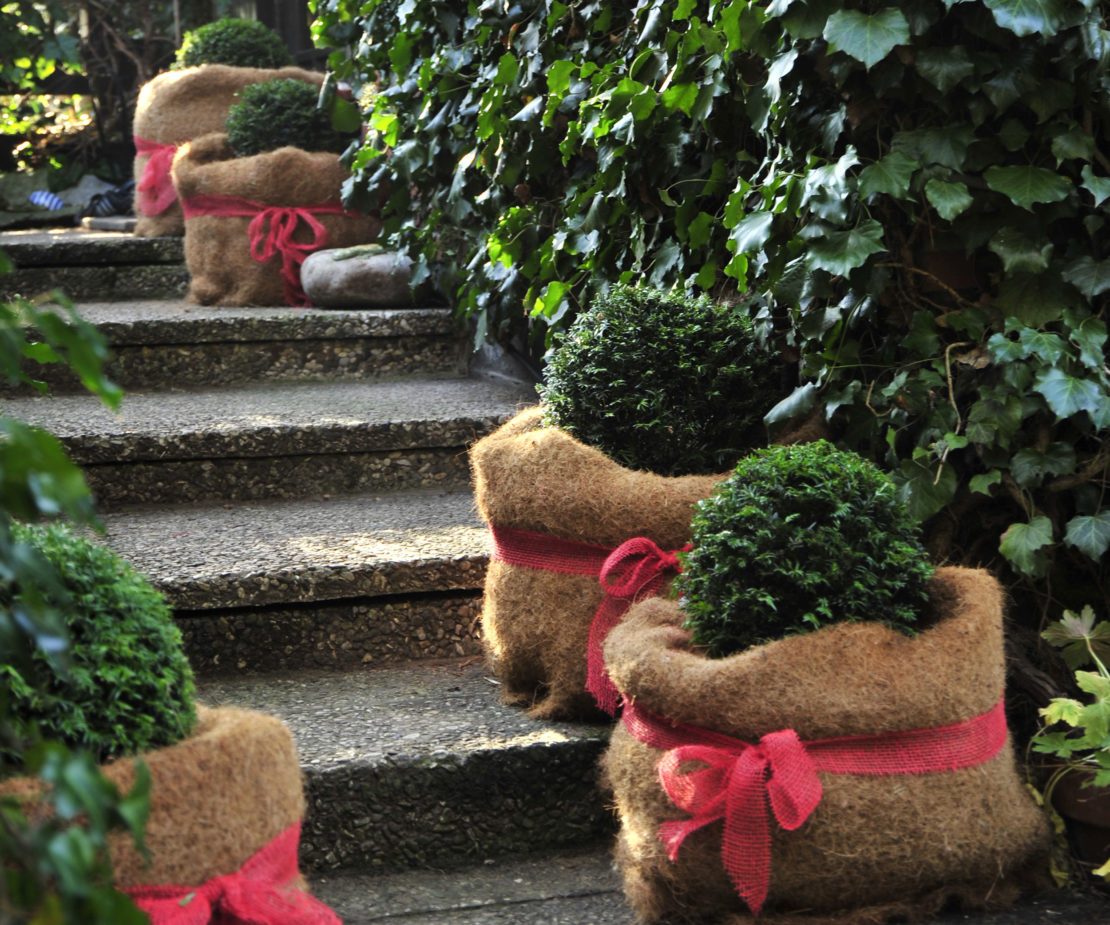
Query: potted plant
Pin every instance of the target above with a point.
(213, 64)
(226, 798)
(1077, 735)
(646, 400)
(814, 726)
(262, 196)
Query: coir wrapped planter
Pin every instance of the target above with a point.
(225, 811)
(251, 221)
(173, 108)
(557, 510)
(925, 805)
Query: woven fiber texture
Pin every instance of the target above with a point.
(874, 845)
(536, 622)
(177, 106)
(218, 248)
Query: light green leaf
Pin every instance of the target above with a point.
(890, 175)
(981, 484)
(1090, 534)
(867, 38)
(840, 252)
(1026, 186)
(681, 96)
(1098, 187)
(1066, 395)
(751, 232)
(1028, 17)
(1024, 545)
(948, 198)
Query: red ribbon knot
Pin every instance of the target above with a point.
(156, 189)
(282, 222)
(739, 786)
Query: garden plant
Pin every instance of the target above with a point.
(238, 42)
(281, 112)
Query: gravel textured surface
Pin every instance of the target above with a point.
(77, 246)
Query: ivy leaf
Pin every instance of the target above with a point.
(796, 405)
(945, 146)
(1091, 277)
(944, 67)
(981, 484)
(1090, 534)
(948, 198)
(867, 38)
(1024, 545)
(1026, 186)
(1018, 252)
(1030, 466)
(890, 175)
(1067, 395)
(1073, 144)
(840, 252)
(751, 232)
(925, 489)
(1028, 17)
(1098, 187)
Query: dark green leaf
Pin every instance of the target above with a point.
(948, 198)
(1025, 545)
(1026, 186)
(890, 175)
(840, 252)
(867, 38)
(1090, 534)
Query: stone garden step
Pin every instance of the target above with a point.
(274, 440)
(420, 766)
(172, 344)
(88, 264)
(335, 583)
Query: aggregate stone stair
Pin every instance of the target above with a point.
(296, 482)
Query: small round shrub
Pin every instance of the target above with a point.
(238, 42)
(129, 686)
(661, 381)
(795, 538)
(277, 113)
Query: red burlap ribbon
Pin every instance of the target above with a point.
(744, 784)
(156, 189)
(257, 894)
(636, 569)
(271, 233)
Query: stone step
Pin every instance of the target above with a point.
(87, 264)
(173, 344)
(280, 440)
(420, 766)
(337, 583)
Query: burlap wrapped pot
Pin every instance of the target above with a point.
(536, 621)
(875, 843)
(219, 799)
(251, 221)
(173, 108)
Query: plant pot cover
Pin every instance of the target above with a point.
(536, 620)
(173, 108)
(251, 221)
(218, 799)
(878, 840)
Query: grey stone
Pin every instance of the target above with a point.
(366, 275)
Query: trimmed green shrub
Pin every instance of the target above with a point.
(128, 686)
(661, 381)
(238, 42)
(281, 112)
(796, 538)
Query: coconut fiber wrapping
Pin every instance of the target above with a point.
(216, 799)
(218, 247)
(536, 623)
(177, 106)
(875, 845)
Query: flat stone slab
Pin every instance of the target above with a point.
(420, 765)
(274, 419)
(573, 887)
(60, 247)
(252, 555)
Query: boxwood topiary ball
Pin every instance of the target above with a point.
(662, 382)
(795, 538)
(129, 686)
(238, 42)
(276, 113)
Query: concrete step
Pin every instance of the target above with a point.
(274, 440)
(173, 344)
(571, 887)
(420, 766)
(330, 583)
(87, 264)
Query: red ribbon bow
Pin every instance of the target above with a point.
(156, 189)
(635, 569)
(257, 894)
(738, 787)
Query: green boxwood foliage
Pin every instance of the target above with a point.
(661, 381)
(277, 113)
(128, 686)
(533, 150)
(796, 538)
(238, 42)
